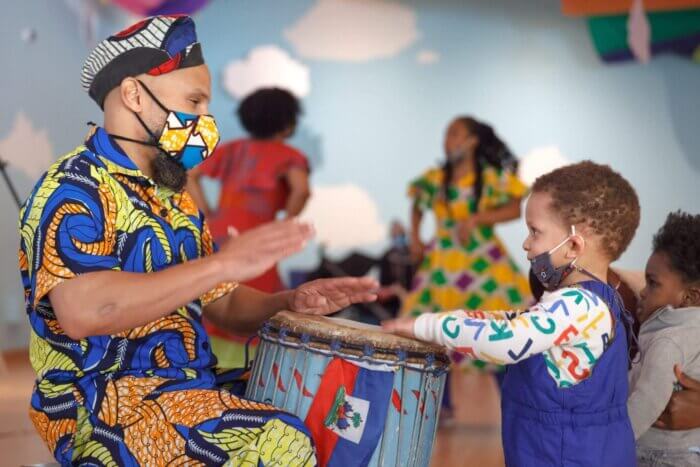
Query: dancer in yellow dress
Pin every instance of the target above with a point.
(466, 266)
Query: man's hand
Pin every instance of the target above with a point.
(248, 255)
(683, 410)
(325, 296)
(110, 302)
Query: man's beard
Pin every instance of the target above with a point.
(169, 173)
(166, 171)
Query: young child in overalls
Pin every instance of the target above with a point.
(565, 389)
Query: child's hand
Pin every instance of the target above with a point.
(401, 326)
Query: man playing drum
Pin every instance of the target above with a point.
(118, 267)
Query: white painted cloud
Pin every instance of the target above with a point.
(353, 30)
(27, 148)
(427, 57)
(345, 216)
(540, 161)
(266, 66)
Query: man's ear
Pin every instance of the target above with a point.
(130, 93)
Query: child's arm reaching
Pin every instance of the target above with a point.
(496, 314)
(502, 341)
(562, 316)
(654, 387)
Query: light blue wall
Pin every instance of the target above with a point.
(520, 65)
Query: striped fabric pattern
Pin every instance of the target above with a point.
(171, 35)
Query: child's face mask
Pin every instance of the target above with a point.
(550, 276)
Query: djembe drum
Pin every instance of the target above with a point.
(352, 383)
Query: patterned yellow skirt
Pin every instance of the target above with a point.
(477, 276)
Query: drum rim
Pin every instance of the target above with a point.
(292, 329)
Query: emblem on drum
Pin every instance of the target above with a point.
(347, 416)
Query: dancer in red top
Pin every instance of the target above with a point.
(260, 177)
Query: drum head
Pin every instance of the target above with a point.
(354, 335)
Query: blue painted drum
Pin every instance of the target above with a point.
(295, 350)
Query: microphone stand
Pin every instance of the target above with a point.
(3, 167)
(10, 186)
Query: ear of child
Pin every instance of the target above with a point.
(691, 296)
(577, 248)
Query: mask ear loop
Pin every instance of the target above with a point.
(155, 142)
(155, 99)
(143, 124)
(574, 234)
(563, 242)
(583, 241)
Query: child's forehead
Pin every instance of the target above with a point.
(539, 212)
(658, 263)
(539, 207)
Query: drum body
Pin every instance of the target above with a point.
(295, 350)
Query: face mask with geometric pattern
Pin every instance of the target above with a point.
(187, 138)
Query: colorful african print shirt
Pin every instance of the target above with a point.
(149, 395)
(570, 327)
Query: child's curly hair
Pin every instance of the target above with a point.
(679, 239)
(596, 196)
